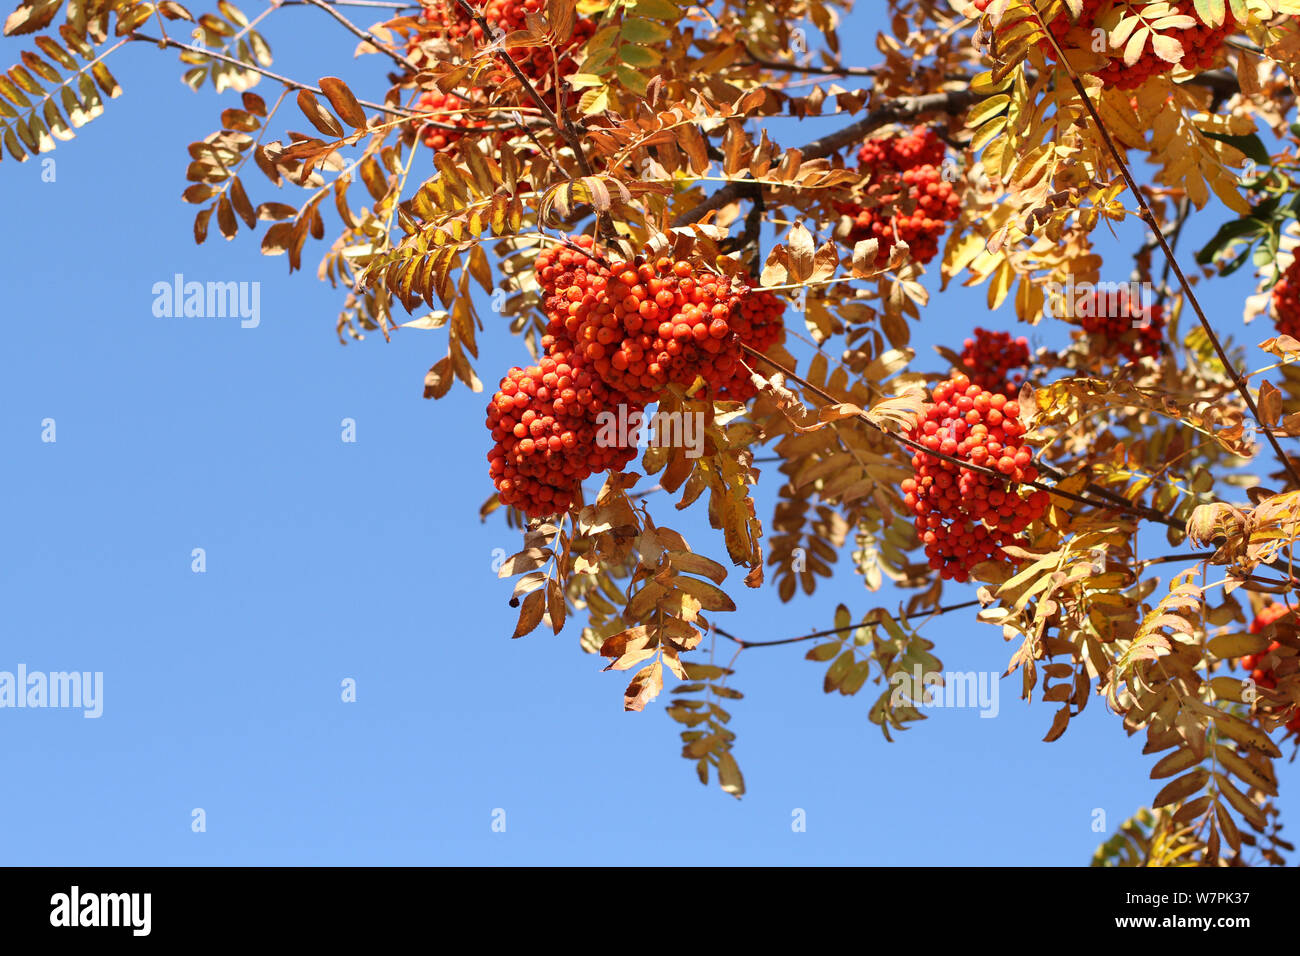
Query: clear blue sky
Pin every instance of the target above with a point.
(328, 561)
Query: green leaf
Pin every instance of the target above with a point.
(1229, 232)
(639, 56)
(633, 80)
(1251, 145)
(657, 10)
(1211, 12)
(639, 30)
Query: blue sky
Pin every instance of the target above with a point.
(329, 560)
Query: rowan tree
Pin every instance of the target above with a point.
(604, 171)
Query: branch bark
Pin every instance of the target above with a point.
(1126, 506)
(290, 83)
(1149, 217)
(565, 130)
(835, 630)
(366, 35)
(903, 108)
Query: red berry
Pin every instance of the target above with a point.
(963, 516)
(1286, 301)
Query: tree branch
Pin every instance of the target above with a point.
(1150, 218)
(816, 70)
(835, 630)
(291, 84)
(366, 35)
(566, 130)
(969, 466)
(903, 108)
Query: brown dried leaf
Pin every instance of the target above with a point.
(530, 614)
(318, 116)
(344, 103)
(644, 687)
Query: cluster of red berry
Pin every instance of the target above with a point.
(538, 63)
(992, 359)
(446, 109)
(504, 17)
(1201, 43)
(644, 325)
(618, 333)
(1253, 663)
(906, 195)
(1119, 327)
(1286, 301)
(964, 516)
(543, 421)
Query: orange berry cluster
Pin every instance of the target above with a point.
(1266, 677)
(644, 325)
(509, 16)
(543, 422)
(1117, 327)
(1286, 301)
(907, 196)
(1200, 42)
(618, 333)
(992, 359)
(920, 147)
(444, 108)
(963, 516)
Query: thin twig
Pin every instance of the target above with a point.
(292, 84)
(894, 111)
(1184, 209)
(836, 630)
(969, 466)
(903, 108)
(565, 131)
(1096, 489)
(398, 58)
(817, 70)
(1150, 218)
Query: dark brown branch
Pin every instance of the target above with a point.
(1096, 489)
(565, 130)
(1184, 209)
(753, 222)
(814, 70)
(898, 110)
(366, 35)
(903, 108)
(1171, 558)
(1222, 82)
(291, 84)
(1150, 218)
(969, 466)
(836, 630)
